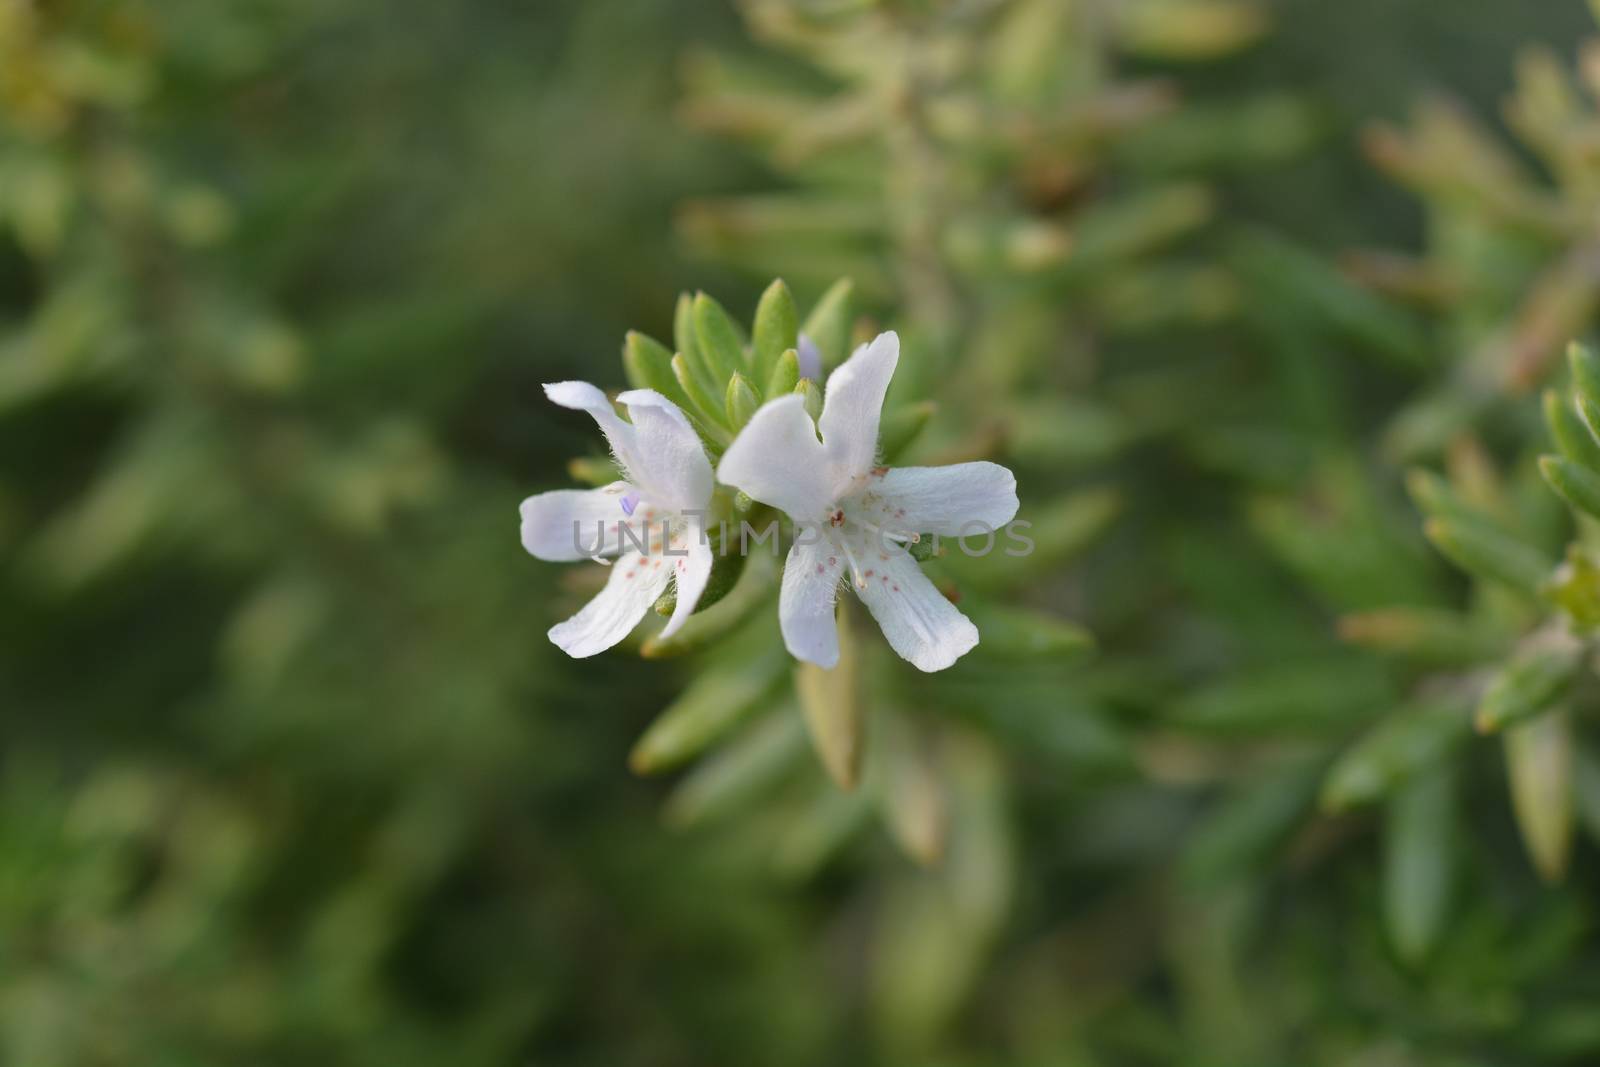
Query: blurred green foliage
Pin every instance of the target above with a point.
(291, 774)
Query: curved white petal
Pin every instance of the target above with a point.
(811, 576)
(570, 524)
(633, 585)
(918, 621)
(778, 460)
(853, 404)
(659, 450)
(691, 573)
(676, 470)
(963, 498)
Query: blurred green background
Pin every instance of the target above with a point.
(290, 773)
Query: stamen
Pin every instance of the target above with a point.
(855, 568)
(630, 500)
(892, 535)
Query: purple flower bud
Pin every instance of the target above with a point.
(810, 358)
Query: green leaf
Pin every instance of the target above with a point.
(901, 427)
(1585, 365)
(1409, 741)
(593, 470)
(648, 365)
(683, 337)
(1575, 588)
(739, 771)
(1573, 482)
(742, 400)
(1240, 833)
(834, 709)
(719, 699)
(1489, 553)
(1539, 760)
(785, 375)
(1571, 434)
(1419, 862)
(1426, 636)
(776, 331)
(718, 338)
(812, 393)
(1537, 678)
(829, 323)
(1018, 633)
(708, 413)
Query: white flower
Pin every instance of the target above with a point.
(854, 515)
(653, 523)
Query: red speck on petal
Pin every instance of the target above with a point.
(897, 589)
(869, 574)
(820, 568)
(833, 561)
(628, 575)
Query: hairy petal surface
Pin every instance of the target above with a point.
(634, 585)
(853, 404)
(659, 451)
(778, 460)
(690, 572)
(811, 575)
(549, 521)
(917, 620)
(943, 500)
(677, 469)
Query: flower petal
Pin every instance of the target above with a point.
(633, 586)
(677, 471)
(805, 603)
(690, 572)
(570, 524)
(853, 404)
(961, 498)
(778, 460)
(919, 623)
(657, 450)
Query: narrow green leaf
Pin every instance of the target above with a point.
(593, 471)
(1575, 588)
(719, 699)
(776, 330)
(829, 323)
(832, 703)
(1539, 762)
(910, 789)
(708, 412)
(719, 340)
(1419, 862)
(785, 375)
(648, 365)
(1488, 553)
(901, 427)
(1427, 636)
(1573, 482)
(1570, 433)
(1017, 633)
(1240, 833)
(742, 400)
(683, 337)
(728, 779)
(1585, 365)
(813, 397)
(1530, 683)
(1407, 742)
